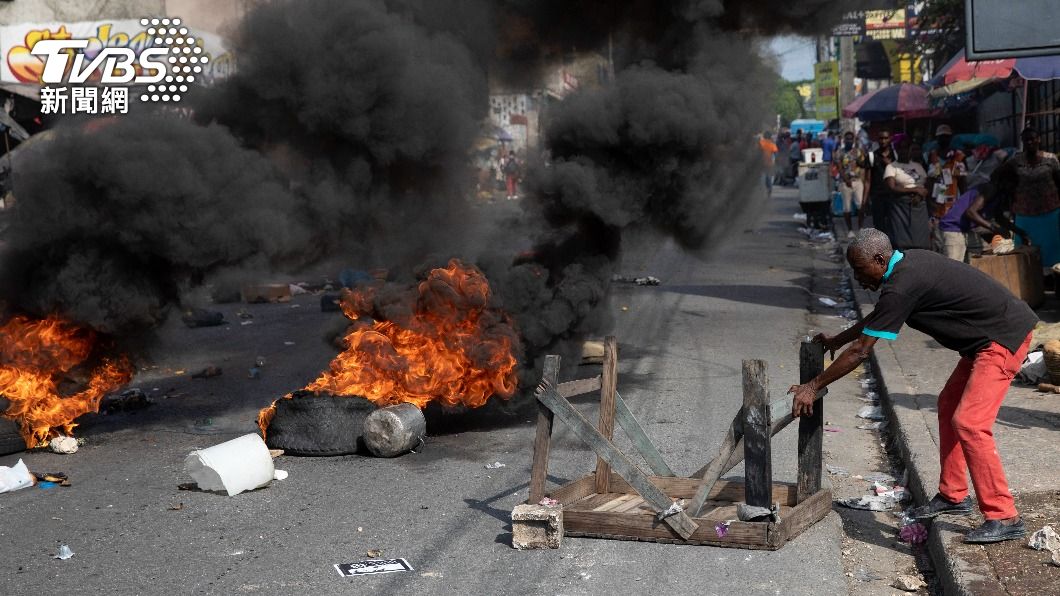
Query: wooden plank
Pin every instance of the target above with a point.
(546, 394)
(780, 412)
(571, 492)
(757, 427)
(811, 428)
(593, 501)
(713, 471)
(613, 504)
(578, 387)
(608, 388)
(637, 502)
(724, 490)
(807, 513)
(647, 526)
(640, 439)
(543, 438)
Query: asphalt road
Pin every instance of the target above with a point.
(681, 346)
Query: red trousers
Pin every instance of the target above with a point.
(967, 408)
(511, 180)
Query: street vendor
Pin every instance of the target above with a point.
(968, 312)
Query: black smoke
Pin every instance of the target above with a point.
(344, 136)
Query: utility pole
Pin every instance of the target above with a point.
(847, 67)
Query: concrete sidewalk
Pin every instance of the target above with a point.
(912, 370)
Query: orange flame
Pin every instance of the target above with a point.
(450, 347)
(34, 357)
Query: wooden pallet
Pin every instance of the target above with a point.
(620, 501)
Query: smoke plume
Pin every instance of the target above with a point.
(344, 136)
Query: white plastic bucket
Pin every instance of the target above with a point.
(812, 155)
(234, 466)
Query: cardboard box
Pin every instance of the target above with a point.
(253, 293)
(1020, 271)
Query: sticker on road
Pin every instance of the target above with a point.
(372, 567)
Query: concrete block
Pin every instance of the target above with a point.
(537, 526)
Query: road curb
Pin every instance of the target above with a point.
(962, 570)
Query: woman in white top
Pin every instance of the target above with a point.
(909, 217)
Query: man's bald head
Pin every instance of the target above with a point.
(869, 254)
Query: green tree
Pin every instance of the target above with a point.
(787, 102)
(939, 32)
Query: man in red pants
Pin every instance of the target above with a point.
(964, 310)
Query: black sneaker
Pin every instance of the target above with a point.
(995, 531)
(939, 505)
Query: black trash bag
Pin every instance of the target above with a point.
(198, 317)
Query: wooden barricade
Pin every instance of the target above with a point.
(621, 501)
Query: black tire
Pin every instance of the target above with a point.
(318, 425)
(10, 440)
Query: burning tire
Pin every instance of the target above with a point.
(10, 440)
(312, 424)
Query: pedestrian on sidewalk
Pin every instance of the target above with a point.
(968, 312)
(511, 176)
(907, 209)
(877, 193)
(769, 155)
(1033, 178)
(853, 165)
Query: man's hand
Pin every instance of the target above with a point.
(829, 342)
(802, 404)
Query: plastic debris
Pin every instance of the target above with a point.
(722, 528)
(234, 466)
(53, 478)
(279, 475)
(495, 465)
(871, 413)
(15, 478)
(878, 477)
(828, 302)
(869, 503)
(63, 444)
(836, 470)
(646, 280)
(208, 372)
(1033, 370)
(745, 512)
(898, 493)
(254, 373)
(64, 553)
(878, 425)
(913, 533)
(832, 429)
(1045, 539)
(46, 485)
(908, 583)
(864, 575)
(798, 216)
(548, 501)
(128, 400)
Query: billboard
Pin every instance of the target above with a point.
(826, 82)
(1006, 29)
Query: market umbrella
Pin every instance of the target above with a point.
(897, 101)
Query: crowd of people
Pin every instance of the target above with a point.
(938, 195)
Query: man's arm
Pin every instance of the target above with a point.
(849, 359)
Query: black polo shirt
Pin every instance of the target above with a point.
(959, 306)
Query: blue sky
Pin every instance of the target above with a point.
(797, 55)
